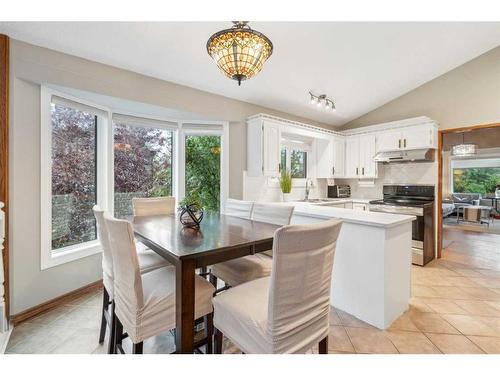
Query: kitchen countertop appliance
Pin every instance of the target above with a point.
(339, 191)
(415, 200)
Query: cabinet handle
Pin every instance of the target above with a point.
(279, 167)
(356, 171)
(404, 142)
(333, 170)
(399, 143)
(363, 171)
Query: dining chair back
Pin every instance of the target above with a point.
(299, 292)
(238, 208)
(272, 213)
(127, 274)
(153, 206)
(107, 259)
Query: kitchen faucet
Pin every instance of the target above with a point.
(307, 188)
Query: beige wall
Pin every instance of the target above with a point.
(33, 66)
(467, 95)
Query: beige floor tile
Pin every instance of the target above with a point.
(83, 341)
(461, 281)
(81, 317)
(403, 323)
(449, 292)
(44, 340)
(370, 340)
(490, 345)
(454, 344)
(487, 282)
(350, 321)
(334, 318)
(443, 306)
(482, 308)
(468, 272)
(423, 291)
(470, 325)
(21, 332)
(481, 293)
(411, 342)
(432, 322)
(338, 340)
(52, 315)
(418, 304)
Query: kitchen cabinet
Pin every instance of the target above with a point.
(263, 148)
(359, 154)
(410, 138)
(330, 157)
(360, 206)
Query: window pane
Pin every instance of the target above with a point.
(475, 180)
(298, 161)
(73, 176)
(143, 165)
(203, 170)
(283, 159)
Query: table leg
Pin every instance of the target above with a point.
(184, 305)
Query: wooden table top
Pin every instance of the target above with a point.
(167, 235)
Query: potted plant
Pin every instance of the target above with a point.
(286, 184)
(191, 212)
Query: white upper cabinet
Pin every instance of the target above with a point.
(271, 141)
(330, 157)
(263, 147)
(324, 158)
(338, 156)
(359, 154)
(410, 138)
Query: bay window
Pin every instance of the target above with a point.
(91, 154)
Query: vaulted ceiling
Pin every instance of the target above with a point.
(361, 65)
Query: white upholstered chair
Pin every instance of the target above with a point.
(145, 303)
(237, 271)
(287, 312)
(148, 261)
(153, 206)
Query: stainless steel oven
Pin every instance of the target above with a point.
(416, 200)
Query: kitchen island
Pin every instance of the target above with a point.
(372, 269)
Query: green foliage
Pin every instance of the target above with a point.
(298, 163)
(286, 181)
(475, 180)
(203, 171)
(190, 200)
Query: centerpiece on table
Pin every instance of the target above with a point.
(191, 212)
(286, 184)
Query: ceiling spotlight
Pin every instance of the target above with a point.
(322, 101)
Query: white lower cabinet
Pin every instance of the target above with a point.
(360, 206)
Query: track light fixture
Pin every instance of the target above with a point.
(322, 101)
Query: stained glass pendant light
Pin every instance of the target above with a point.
(239, 52)
(464, 149)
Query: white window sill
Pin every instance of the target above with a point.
(273, 182)
(69, 254)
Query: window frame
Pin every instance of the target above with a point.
(105, 168)
(301, 147)
(486, 161)
(50, 257)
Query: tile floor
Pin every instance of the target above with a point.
(455, 308)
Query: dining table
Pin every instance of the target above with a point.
(218, 239)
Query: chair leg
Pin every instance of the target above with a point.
(213, 280)
(117, 342)
(137, 348)
(323, 346)
(209, 332)
(105, 306)
(112, 326)
(218, 341)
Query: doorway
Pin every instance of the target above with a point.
(469, 195)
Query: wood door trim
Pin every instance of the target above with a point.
(56, 302)
(441, 132)
(4, 156)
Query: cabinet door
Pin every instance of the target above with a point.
(324, 158)
(418, 137)
(389, 141)
(271, 142)
(367, 152)
(352, 157)
(338, 157)
(359, 207)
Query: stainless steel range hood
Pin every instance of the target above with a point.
(405, 156)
